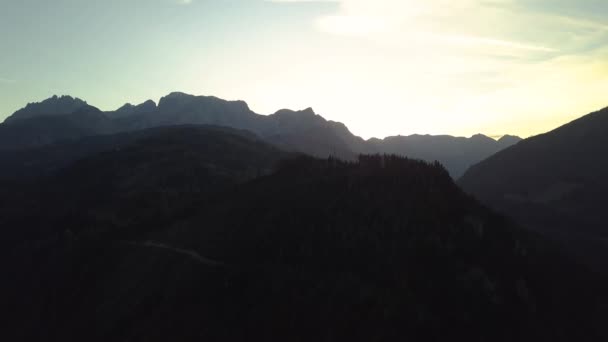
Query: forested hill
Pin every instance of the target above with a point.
(384, 248)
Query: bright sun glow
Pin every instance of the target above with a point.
(351, 25)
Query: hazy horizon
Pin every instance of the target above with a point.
(383, 68)
(157, 100)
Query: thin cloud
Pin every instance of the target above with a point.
(7, 80)
(475, 40)
(470, 58)
(494, 26)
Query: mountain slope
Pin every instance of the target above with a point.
(383, 249)
(555, 182)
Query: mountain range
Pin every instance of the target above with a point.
(65, 118)
(199, 219)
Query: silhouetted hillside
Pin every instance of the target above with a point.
(165, 239)
(555, 183)
(54, 120)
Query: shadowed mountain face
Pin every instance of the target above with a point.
(555, 183)
(190, 233)
(55, 120)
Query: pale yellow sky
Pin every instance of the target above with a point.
(458, 67)
(382, 67)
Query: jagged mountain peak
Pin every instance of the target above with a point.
(128, 109)
(291, 119)
(308, 111)
(55, 105)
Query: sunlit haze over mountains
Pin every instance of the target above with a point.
(383, 67)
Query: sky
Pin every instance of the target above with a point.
(383, 67)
